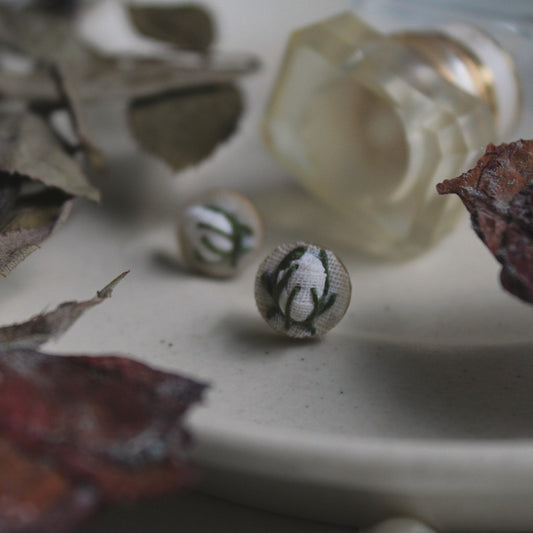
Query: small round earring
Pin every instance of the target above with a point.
(219, 233)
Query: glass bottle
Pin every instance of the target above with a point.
(370, 120)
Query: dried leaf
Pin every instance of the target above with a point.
(186, 126)
(120, 78)
(107, 420)
(155, 77)
(28, 148)
(72, 73)
(9, 192)
(48, 38)
(28, 225)
(63, 57)
(45, 326)
(62, 72)
(69, 91)
(187, 26)
(29, 151)
(498, 193)
(37, 87)
(89, 74)
(63, 7)
(77, 432)
(36, 497)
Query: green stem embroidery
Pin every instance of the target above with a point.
(238, 232)
(290, 299)
(284, 281)
(214, 229)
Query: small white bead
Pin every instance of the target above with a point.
(399, 525)
(302, 290)
(219, 233)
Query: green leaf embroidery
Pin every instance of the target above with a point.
(238, 232)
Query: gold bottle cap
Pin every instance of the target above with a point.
(475, 62)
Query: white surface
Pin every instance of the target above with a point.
(418, 403)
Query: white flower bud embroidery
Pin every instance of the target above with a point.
(218, 235)
(210, 230)
(303, 276)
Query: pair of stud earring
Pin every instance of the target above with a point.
(301, 289)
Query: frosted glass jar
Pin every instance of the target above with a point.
(370, 121)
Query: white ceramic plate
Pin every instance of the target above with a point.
(418, 403)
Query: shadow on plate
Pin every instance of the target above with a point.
(252, 336)
(167, 262)
(390, 389)
(439, 392)
(196, 513)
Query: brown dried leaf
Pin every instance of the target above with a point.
(185, 127)
(89, 74)
(36, 86)
(72, 73)
(498, 193)
(28, 225)
(69, 91)
(187, 26)
(29, 151)
(120, 78)
(45, 326)
(63, 57)
(155, 77)
(9, 192)
(28, 148)
(48, 38)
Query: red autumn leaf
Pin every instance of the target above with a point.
(77, 432)
(498, 193)
(110, 421)
(35, 497)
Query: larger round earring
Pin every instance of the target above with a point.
(302, 290)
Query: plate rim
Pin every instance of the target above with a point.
(373, 463)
